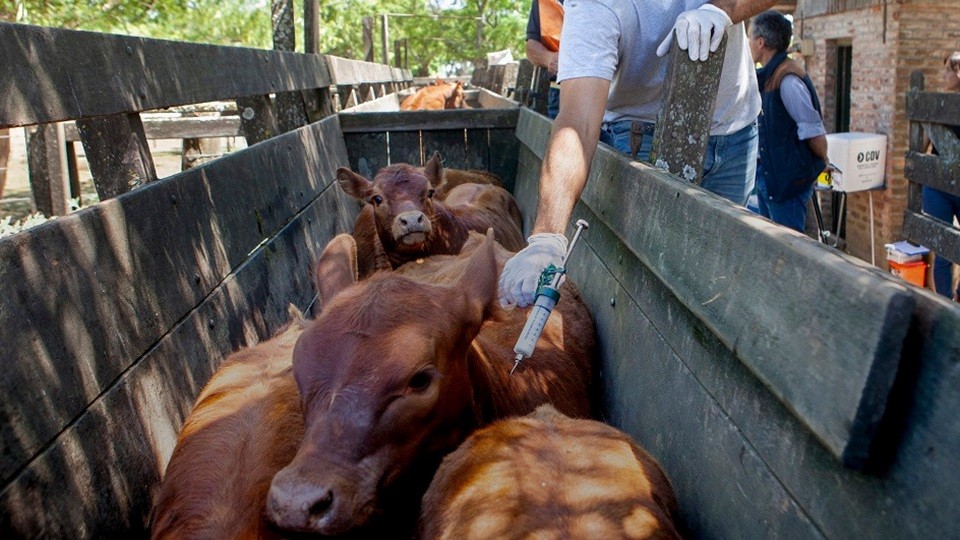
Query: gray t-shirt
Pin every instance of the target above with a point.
(617, 40)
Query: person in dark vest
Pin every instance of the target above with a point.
(543, 44)
(793, 142)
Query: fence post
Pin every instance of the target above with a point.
(687, 112)
(291, 113)
(915, 143)
(117, 152)
(47, 164)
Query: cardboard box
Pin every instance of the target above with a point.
(861, 158)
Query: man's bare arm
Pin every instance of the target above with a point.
(573, 142)
(818, 145)
(541, 56)
(741, 10)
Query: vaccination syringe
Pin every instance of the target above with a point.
(548, 293)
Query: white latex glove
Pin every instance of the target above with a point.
(518, 281)
(699, 31)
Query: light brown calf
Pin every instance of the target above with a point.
(549, 476)
(437, 96)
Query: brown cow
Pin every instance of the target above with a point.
(403, 216)
(246, 425)
(437, 96)
(546, 475)
(392, 379)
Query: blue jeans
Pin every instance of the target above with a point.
(553, 102)
(944, 207)
(789, 213)
(729, 168)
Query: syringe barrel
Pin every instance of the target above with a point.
(534, 326)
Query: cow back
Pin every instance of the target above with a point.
(549, 476)
(246, 425)
(483, 206)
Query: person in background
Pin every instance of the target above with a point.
(613, 70)
(793, 141)
(543, 44)
(941, 205)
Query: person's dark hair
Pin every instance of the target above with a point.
(774, 28)
(952, 60)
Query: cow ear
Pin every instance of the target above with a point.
(353, 184)
(337, 267)
(478, 284)
(433, 170)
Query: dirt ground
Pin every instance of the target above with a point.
(16, 200)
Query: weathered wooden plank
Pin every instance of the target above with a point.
(78, 487)
(832, 360)
(683, 125)
(489, 100)
(944, 140)
(509, 83)
(939, 236)
(429, 120)
(406, 147)
(477, 149)
(68, 334)
(349, 72)
(538, 93)
(368, 152)
(387, 103)
(451, 143)
(47, 165)
(936, 107)
(194, 127)
(258, 121)
(504, 146)
(120, 74)
(915, 144)
(117, 152)
(933, 171)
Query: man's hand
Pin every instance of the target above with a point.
(699, 32)
(518, 281)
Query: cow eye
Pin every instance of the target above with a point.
(377, 200)
(430, 193)
(421, 381)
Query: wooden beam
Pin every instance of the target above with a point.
(258, 121)
(177, 127)
(940, 236)
(428, 120)
(936, 107)
(118, 153)
(44, 79)
(934, 171)
(916, 144)
(686, 114)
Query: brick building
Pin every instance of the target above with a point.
(860, 54)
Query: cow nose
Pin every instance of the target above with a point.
(408, 219)
(299, 506)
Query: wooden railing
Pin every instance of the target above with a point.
(930, 115)
(111, 79)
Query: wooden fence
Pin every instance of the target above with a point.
(117, 77)
(930, 114)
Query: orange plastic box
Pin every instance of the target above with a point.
(914, 272)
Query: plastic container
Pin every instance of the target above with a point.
(913, 272)
(904, 251)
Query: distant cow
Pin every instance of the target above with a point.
(546, 475)
(437, 96)
(403, 216)
(246, 425)
(393, 375)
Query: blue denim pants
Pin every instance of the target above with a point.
(791, 212)
(942, 206)
(729, 168)
(553, 102)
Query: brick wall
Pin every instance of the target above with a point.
(888, 44)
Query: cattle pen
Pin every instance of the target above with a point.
(788, 389)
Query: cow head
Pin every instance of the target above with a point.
(402, 197)
(454, 97)
(385, 392)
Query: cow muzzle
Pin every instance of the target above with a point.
(411, 228)
(294, 504)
